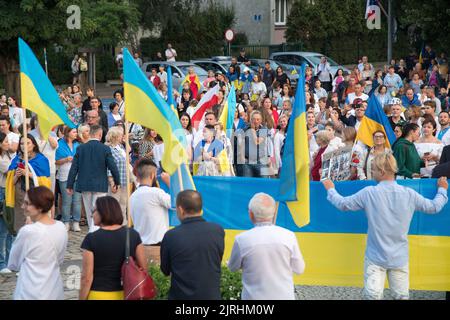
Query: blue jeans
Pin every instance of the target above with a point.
(6, 238)
(70, 202)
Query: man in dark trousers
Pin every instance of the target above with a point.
(192, 252)
(90, 169)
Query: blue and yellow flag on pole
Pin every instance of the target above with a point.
(38, 93)
(170, 98)
(146, 107)
(375, 120)
(227, 119)
(294, 176)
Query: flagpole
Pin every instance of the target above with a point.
(25, 146)
(180, 177)
(127, 155)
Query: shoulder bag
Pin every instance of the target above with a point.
(137, 283)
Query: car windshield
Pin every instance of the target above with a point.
(199, 71)
(316, 60)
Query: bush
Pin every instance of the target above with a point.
(230, 284)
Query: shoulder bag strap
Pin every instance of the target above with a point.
(127, 244)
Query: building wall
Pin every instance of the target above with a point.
(258, 31)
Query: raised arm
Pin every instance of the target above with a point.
(351, 203)
(432, 206)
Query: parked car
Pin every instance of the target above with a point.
(293, 60)
(179, 71)
(210, 65)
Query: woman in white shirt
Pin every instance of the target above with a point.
(189, 132)
(6, 237)
(38, 250)
(335, 142)
(278, 141)
(258, 88)
(429, 147)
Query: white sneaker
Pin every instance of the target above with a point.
(76, 227)
(5, 271)
(67, 224)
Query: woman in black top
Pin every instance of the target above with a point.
(282, 77)
(104, 253)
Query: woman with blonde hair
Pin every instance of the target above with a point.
(114, 139)
(83, 133)
(322, 139)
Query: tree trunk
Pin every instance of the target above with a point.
(10, 68)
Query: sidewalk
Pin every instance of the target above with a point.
(71, 272)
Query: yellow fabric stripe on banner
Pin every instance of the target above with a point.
(337, 259)
(10, 191)
(141, 109)
(32, 101)
(45, 182)
(300, 209)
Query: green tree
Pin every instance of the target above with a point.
(202, 25)
(430, 19)
(43, 24)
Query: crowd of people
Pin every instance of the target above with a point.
(82, 172)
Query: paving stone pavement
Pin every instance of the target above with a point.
(71, 271)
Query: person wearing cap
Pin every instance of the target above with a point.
(396, 113)
(242, 58)
(246, 80)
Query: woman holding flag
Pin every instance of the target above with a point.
(39, 175)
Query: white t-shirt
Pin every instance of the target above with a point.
(158, 151)
(171, 54)
(149, 211)
(37, 253)
(268, 256)
(352, 96)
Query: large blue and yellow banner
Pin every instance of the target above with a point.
(333, 243)
(38, 93)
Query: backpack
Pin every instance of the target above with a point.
(83, 65)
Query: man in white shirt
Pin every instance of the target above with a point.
(162, 74)
(358, 94)
(323, 73)
(267, 255)
(149, 205)
(171, 54)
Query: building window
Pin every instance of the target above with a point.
(281, 12)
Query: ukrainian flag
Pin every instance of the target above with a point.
(40, 176)
(170, 100)
(146, 107)
(38, 93)
(227, 119)
(375, 119)
(294, 176)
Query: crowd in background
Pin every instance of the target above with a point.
(414, 96)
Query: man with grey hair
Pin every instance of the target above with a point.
(267, 255)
